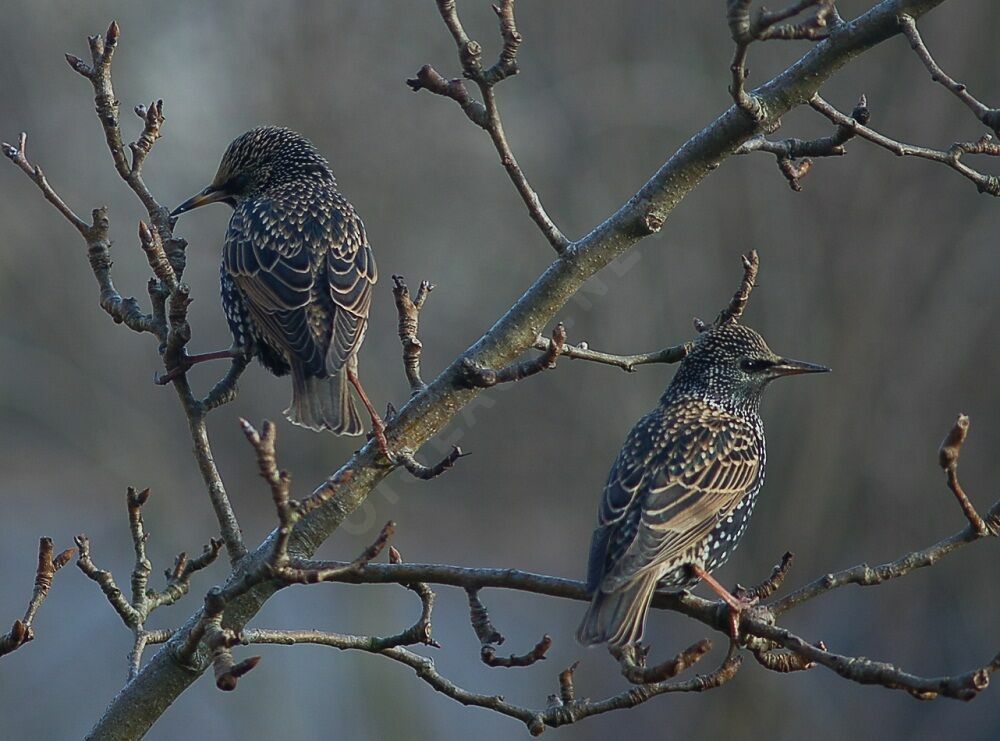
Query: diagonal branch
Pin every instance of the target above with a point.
(476, 376)
(22, 631)
(766, 25)
(486, 115)
(989, 116)
(161, 681)
(952, 157)
(794, 156)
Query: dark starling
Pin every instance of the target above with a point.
(297, 272)
(681, 491)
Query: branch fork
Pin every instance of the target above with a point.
(22, 631)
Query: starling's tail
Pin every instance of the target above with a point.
(323, 404)
(617, 617)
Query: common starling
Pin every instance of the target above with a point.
(297, 273)
(681, 491)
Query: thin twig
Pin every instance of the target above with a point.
(486, 114)
(408, 310)
(948, 454)
(48, 564)
(478, 377)
(989, 116)
(766, 25)
(415, 468)
(951, 157)
(733, 312)
(794, 156)
(490, 638)
(627, 363)
(633, 662)
(567, 710)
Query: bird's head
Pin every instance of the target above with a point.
(260, 159)
(732, 364)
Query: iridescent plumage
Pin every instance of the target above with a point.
(297, 271)
(681, 491)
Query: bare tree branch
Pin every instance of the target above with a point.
(794, 155)
(628, 363)
(490, 638)
(479, 377)
(253, 581)
(486, 114)
(989, 116)
(136, 611)
(758, 630)
(409, 323)
(162, 250)
(952, 157)
(634, 669)
(22, 631)
(767, 25)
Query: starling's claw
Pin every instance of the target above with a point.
(737, 603)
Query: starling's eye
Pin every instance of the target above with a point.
(753, 365)
(236, 184)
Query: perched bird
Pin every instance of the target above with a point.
(681, 491)
(297, 273)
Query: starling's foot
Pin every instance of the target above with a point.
(737, 604)
(378, 432)
(378, 426)
(187, 361)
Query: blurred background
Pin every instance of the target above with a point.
(885, 269)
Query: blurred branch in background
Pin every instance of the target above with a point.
(209, 636)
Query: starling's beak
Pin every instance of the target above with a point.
(211, 194)
(789, 367)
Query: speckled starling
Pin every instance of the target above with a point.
(297, 272)
(681, 491)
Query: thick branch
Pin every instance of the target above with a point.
(139, 704)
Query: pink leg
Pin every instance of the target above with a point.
(378, 426)
(736, 605)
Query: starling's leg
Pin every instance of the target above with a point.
(187, 361)
(736, 604)
(378, 426)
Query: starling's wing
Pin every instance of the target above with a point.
(350, 275)
(267, 256)
(681, 472)
(277, 251)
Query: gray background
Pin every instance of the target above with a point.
(884, 268)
